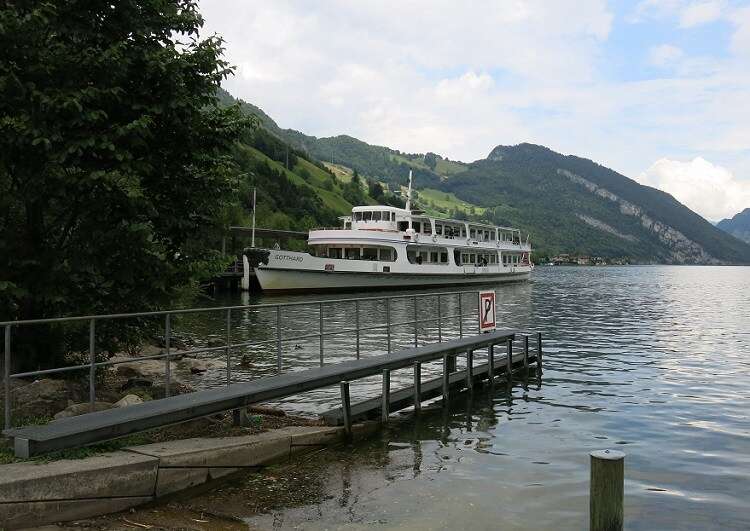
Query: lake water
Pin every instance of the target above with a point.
(653, 361)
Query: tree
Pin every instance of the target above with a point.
(376, 190)
(113, 158)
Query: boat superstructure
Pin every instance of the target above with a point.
(380, 247)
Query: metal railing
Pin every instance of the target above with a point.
(167, 355)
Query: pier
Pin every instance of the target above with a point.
(113, 423)
(105, 425)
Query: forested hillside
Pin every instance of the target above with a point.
(566, 204)
(738, 226)
(294, 190)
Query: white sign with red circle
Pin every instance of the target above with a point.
(487, 311)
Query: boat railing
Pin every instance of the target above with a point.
(232, 344)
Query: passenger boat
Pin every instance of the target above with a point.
(383, 247)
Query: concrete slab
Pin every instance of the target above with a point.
(244, 451)
(317, 436)
(117, 474)
(173, 480)
(23, 515)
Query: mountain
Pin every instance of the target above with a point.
(738, 226)
(295, 191)
(572, 204)
(565, 203)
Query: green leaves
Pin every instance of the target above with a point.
(114, 159)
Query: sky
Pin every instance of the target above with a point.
(658, 90)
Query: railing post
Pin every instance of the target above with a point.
(6, 376)
(440, 319)
(469, 369)
(460, 316)
(346, 408)
(526, 352)
(479, 313)
(509, 359)
(416, 324)
(417, 386)
(388, 321)
(606, 490)
(92, 363)
(491, 362)
(356, 321)
(384, 410)
(278, 339)
(539, 353)
(446, 379)
(227, 349)
(320, 311)
(167, 366)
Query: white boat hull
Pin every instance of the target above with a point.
(285, 280)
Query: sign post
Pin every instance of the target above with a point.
(487, 311)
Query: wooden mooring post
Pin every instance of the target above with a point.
(606, 490)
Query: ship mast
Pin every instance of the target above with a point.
(408, 201)
(408, 194)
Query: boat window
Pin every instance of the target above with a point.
(463, 231)
(334, 252)
(352, 253)
(387, 255)
(472, 258)
(376, 216)
(434, 257)
(443, 258)
(369, 253)
(366, 216)
(473, 234)
(492, 236)
(427, 228)
(358, 216)
(403, 225)
(457, 257)
(438, 229)
(417, 226)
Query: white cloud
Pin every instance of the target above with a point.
(466, 86)
(708, 189)
(459, 78)
(699, 13)
(741, 37)
(664, 54)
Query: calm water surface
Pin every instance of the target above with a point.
(653, 361)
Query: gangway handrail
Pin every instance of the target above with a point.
(114, 423)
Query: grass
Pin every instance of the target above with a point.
(443, 202)
(414, 163)
(446, 168)
(331, 199)
(342, 173)
(7, 456)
